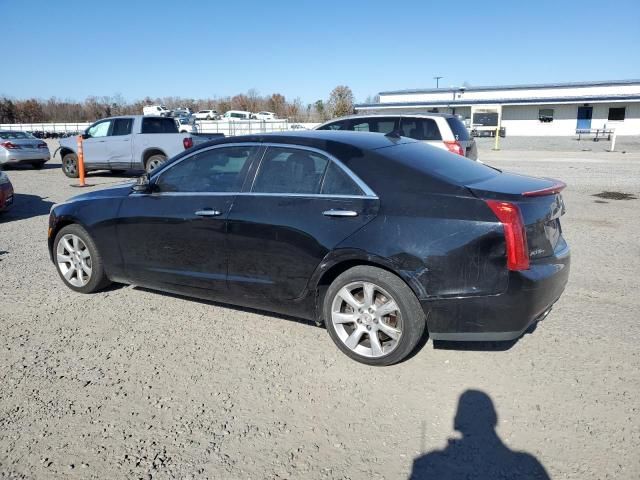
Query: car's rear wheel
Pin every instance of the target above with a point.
(154, 161)
(78, 261)
(373, 316)
(70, 165)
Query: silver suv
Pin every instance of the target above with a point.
(438, 129)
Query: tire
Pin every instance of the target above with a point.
(208, 117)
(154, 161)
(70, 165)
(407, 322)
(80, 241)
(37, 165)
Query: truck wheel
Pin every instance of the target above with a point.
(154, 161)
(70, 165)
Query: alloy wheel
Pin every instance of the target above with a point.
(366, 319)
(74, 260)
(70, 166)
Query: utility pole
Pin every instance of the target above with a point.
(437, 79)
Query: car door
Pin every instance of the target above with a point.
(175, 236)
(301, 205)
(95, 147)
(118, 144)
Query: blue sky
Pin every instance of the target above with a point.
(72, 49)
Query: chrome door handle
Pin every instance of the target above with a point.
(340, 213)
(208, 213)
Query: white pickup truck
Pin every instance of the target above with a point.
(128, 142)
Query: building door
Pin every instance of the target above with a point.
(584, 118)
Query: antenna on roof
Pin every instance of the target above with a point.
(393, 134)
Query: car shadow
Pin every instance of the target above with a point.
(26, 166)
(118, 174)
(495, 346)
(479, 453)
(232, 307)
(26, 206)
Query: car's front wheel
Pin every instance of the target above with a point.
(78, 261)
(70, 165)
(373, 316)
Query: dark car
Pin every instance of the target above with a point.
(378, 237)
(6, 192)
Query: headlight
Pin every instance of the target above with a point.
(4, 178)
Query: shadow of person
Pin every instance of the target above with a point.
(479, 454)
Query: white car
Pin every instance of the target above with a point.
(237, 115)
(206, 115)
(441, 130)
(264, 116)
(159, 110)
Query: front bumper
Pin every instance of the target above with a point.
(528, 298)
(6, 196)
(14, 157)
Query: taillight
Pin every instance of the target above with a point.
(557, 187)
(187, 142)
(514, 233)
(10, 146)
(454, 147)
(42, 145)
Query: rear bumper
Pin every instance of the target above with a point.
(528, 298)
(12, 157)
(6, 196)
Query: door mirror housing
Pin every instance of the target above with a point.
(143, 184)
(85, 134)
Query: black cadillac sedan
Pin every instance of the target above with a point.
(378, 237)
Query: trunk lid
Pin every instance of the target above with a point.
(540, 204)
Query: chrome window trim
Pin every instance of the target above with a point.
(368, 192)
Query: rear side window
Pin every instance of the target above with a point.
(341, 125)
(159, 125)
(455, 168)
(121, 126)
(459, 130)
(420, 129)
(337, 182)
(290, 170)
(379, 125)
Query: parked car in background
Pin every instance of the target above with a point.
(264, 116)
(206, 115)
(160, 110)
(438, 129)
(6, 192)
(128, 142)
(186, 124)
(180, 112)
(377, 237)
(17, 148)
(237, 115)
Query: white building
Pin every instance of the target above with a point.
(550, 109)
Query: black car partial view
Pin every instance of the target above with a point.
(381, 238)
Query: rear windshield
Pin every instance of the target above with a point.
(14, 135)
(432, 160)
(159, 125)
(459, 130)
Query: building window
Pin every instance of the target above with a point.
(617, 114)
(545, 115)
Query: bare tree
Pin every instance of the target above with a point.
(341, 101)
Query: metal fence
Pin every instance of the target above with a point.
(46, 127)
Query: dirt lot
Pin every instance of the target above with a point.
(130, 383)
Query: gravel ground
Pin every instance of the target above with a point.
(130, 383)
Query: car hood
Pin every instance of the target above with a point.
(114, 192)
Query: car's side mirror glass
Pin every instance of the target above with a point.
(86, 135)
(143, 184)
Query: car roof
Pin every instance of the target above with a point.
(387, 115)
(318, 139)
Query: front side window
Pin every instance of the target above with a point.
(290, 170)
(616, 114)
(341, 125)
(99, 129)
(216, 170)
(121, 126)
(420, 129)
(159, 125)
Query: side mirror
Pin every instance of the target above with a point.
(85, 135)
(142, 185)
